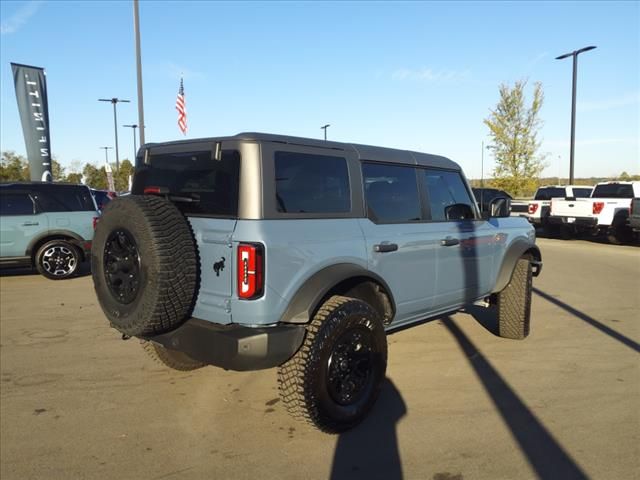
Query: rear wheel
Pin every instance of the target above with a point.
(620, 232)
(514, 303)
(57, 259)
(171, 358)
(334, 379)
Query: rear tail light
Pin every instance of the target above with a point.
(597, 207)
(533, 208)
(95, 222)
(250, 270)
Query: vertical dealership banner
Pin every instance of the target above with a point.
(31, 95)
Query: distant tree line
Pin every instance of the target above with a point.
(15, 168)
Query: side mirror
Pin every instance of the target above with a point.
(500, 207)
(458, 211)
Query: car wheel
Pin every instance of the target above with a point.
(333, 380)
(514, 303)
(171, 358)
(57, 259)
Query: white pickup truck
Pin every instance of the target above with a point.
(606, 211)
(540, 207)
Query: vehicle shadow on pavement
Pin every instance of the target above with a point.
(83, 271)
(371, 450)
(543, 452)
(590, 320)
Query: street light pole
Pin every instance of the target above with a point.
(136, 28)
(325, 130)
(106, 154)
(573, 54)
(135, 147)
(115, 101)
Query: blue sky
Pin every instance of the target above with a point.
(413, 75)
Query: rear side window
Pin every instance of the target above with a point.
(63, 198)
(16, 204)
(444, 188)
(197, 182)
(307, 183)
(391, 193)
(613, 190)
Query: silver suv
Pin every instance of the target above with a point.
(259, 251)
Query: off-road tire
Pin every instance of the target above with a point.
(47, 255)
(619, 233)
(303, 381)
(149, 239)
(170, 358)
(514, 303)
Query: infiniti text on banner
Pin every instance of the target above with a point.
(31, 94)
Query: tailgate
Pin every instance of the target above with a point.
(580, 207)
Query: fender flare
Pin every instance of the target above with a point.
(77, 239)
(517, 249)
(308, 297)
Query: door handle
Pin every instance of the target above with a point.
(30, 224)
(385, 247)
(449, 242)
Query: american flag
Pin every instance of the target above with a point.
(182, 110)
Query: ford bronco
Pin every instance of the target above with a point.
(257, 251)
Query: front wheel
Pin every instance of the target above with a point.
(334, 379)
(514, 302)
(57, 259)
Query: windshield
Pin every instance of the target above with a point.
(195, 180)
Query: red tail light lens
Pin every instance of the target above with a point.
(95, 222)
(597, 207)
(250, 271)
(533, 208)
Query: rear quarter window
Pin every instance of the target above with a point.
(308, 183)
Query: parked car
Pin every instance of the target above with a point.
(540, 207)
(634, 217)
(259, 251)
(606, 211)
(484, 196)
(46, 225)
(102, 197)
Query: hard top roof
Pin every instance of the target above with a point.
(363, 152)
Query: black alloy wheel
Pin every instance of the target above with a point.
(122, 266)
(350, 366)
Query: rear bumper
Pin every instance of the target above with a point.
(234, 347)
(580, 222)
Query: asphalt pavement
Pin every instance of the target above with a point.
(459, 403)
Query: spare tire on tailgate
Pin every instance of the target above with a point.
(144, 264)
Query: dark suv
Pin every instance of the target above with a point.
(46, 225)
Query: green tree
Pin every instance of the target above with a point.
(624, 176)
(95, 177)
(121, 178)
(73, 178)
(513, 129)
(13, 167)
(57, 171)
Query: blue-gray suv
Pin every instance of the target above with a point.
(259, 251)
(46, 225)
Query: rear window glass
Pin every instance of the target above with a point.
(15, 204)
(392, 193)
(63, 198)
(307, 183)
(613, 190)
(197, 183)
(582, 192)
(549, 193)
